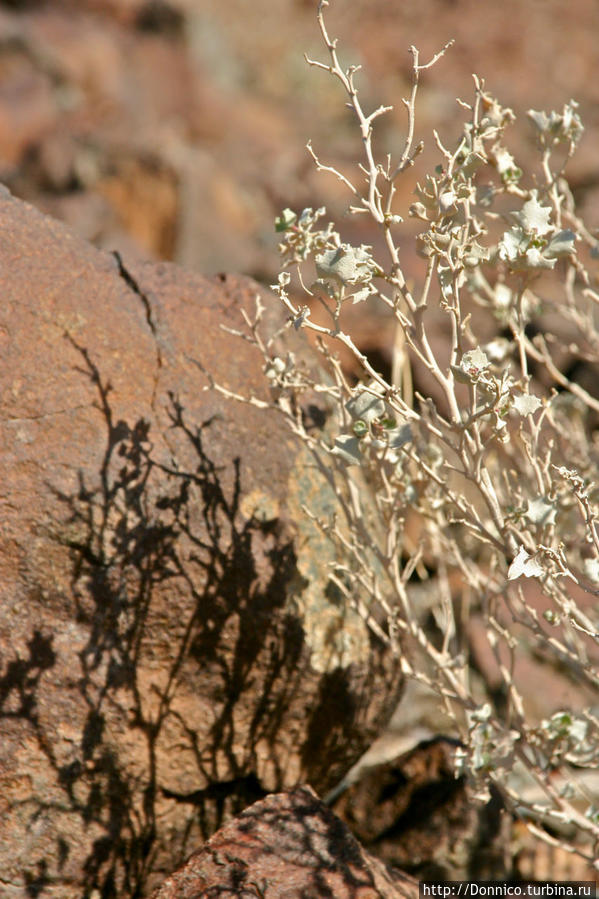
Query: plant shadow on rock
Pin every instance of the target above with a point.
(19, 686)
(157, 538)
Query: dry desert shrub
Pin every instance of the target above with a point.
(497, 480)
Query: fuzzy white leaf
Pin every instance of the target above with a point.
(541, 511)
(475, 254)
(534, 217)
(361, 295)
(504, 160)
(513, 244)
(287, 218)
(498, 350)
(474, 361)
(515, 249)
(471, 163)
(539, 119)
(345, 264)
(503, 295)
(524, 565)
(561, 244)
(591, 569)
(447, 200)
(418, 210)
(578, 730)
(446, 280)
(525, 404)
(534, 258)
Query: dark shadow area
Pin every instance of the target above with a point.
(162, 18)
(416, 815)
(326, 729)
(19, 685)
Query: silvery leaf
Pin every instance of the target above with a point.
(503, 295)
(525, 404)
(498, 349)
(344, 264)
(534, 258)
(447, 200)
(365, 406)
(471, 163)
(504, 160)
(348, 449)
(541, 511)
(361, 295)
(534, 217)
(561, 244)
(513, 244)
(475, 254)
(591, 569)
(474, 360)
(539, 119)
(523, 564)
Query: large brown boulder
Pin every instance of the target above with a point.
(289, 846)
(168, 650)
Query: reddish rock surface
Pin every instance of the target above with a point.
(173, 129)
(289, 845)
(161, 664)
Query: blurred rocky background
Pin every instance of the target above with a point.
(176, 129)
